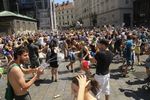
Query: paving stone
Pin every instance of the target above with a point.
(121, 88)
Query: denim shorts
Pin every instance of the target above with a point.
(71, 57)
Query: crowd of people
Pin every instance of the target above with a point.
(97, 46)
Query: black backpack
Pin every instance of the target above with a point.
(53, 43)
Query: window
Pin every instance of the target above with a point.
(102, 6)
(127, 1)
(45, 4)
(127, 19)
(39, 5)
(44, 14)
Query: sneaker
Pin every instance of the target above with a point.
(52, 78)
(56, 80)
(71, 71)
(125, 76)
(139, 63)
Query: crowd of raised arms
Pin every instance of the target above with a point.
(97, 46)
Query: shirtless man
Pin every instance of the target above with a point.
(16, 75)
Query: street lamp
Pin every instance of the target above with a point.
(17, 7)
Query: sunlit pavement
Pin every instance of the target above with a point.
(121, 88)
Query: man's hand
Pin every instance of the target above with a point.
(38, 72)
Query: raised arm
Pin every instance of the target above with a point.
(82, 85)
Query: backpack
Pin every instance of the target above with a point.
(9, 94)
(53, 43)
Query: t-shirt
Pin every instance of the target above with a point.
(129, 44)
(118, 42)
(53, 43)
(33, 51)
(104, 59)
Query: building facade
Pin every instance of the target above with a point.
(65, 14)
(16, 23)
(141, 12)
(101, 12)
(45, 12)
(26, 7)
(42, 10)
(82, 11)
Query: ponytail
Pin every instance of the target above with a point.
(93, 86)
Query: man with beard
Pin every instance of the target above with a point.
(16, 74)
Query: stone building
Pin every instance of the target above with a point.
(65, 14)
(45, 12)
(82, 11)
(25, 7)
(15, 23)
(42, 10)
(100, 12)
(141, 12)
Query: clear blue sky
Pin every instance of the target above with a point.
(60, 1)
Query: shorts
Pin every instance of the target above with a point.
(92, 54)
(130, 58)
(72, 57)
(103, 81)
(23, 97)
